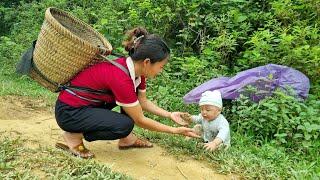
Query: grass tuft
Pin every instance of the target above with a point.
(20, 162)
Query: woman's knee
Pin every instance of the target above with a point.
(120, 129)
(126, 126)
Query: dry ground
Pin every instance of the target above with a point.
(33, 120)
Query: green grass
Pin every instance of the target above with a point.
(244, 158)
(14, 84)
(19, 162)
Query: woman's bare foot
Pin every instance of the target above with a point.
(75, 144)
(127, 141)
(131, 141)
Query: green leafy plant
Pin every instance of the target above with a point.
(282, 118)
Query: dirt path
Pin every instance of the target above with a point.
(32, 120)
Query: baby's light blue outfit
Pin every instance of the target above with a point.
(218, 127)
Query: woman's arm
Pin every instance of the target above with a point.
(149, 106)
(136, 114)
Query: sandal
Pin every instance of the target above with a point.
(79, 150)
(139, 143)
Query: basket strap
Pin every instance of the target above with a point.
(117, 54)
(67, 85)
(116, 64)
(81, 97)
(94, 91)
(70, 89)
(84, 89)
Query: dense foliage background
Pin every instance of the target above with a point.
(209, 39)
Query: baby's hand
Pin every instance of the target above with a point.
(177, 117)
(186, 117)
(211, 146)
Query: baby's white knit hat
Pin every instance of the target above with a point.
(211, 98)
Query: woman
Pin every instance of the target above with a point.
(84, 114)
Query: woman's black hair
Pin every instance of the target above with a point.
(142, 46)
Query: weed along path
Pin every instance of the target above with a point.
(32, 120)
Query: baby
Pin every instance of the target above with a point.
(211, 125)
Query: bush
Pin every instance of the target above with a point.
(281, 118)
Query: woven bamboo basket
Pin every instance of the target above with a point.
(65, 46)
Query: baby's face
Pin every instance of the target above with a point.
(209, 112)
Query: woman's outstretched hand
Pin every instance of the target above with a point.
(176, 117)
(186, 132)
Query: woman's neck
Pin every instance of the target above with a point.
(137, 68)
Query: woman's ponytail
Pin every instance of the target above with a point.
(142, 45)
(133, 36)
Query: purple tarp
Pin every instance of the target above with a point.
(265, 79)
